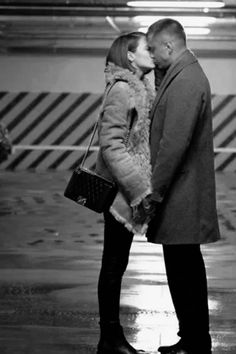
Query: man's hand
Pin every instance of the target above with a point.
(145, 211)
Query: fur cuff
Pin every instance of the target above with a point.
(139, 199)
(135, 229)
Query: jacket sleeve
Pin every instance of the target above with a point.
(113, 130)
(182, 110)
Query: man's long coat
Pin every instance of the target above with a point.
(182, 157)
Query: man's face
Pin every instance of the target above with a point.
(159, 50)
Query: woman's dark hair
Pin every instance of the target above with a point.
(117, 53)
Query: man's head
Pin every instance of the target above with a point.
(166, 41)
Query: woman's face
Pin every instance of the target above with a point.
(141, 58)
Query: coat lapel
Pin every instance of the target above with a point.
(185, 59)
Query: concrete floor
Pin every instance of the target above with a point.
(49, 264)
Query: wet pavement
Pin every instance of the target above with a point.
(49, 264)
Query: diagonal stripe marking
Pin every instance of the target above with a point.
(56, 163)
(60, 119)
(77, 122)
(224, 113)
(70, 129)
(216, 100)
(79, 129)
(24, 154)
(228, 140)
(226, 162)
(32, 116)
(12, 104)
(26, 111)
(222, 104)
(2, 94)
(224, 123)
(42, 116)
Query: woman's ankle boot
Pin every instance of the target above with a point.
(113, 341)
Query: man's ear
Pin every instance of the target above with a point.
(169, 46)
(130, 56)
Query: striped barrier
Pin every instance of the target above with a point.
(52, 130)
(224, 128)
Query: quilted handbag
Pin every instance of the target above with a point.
(89, 189)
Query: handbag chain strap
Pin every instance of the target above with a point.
(107, 89)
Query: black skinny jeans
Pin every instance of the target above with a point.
(186, 275)
(117, 243)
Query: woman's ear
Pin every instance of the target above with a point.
(130, 56)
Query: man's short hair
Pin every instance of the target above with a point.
(170, 26)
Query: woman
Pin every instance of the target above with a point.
(124, 157)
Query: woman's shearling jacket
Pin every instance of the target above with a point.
(123, 131)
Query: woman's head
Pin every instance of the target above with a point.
(130, 51)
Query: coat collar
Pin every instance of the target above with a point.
(184, 60)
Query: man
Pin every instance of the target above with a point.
(183, 181)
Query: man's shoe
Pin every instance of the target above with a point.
(179, 348)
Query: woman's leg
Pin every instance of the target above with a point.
(117, 243)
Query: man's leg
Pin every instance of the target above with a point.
(187, 281)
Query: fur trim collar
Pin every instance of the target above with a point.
(141, 95)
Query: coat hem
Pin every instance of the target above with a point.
(181, 243)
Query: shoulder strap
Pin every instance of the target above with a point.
(107, 90)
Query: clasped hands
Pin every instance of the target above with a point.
(145, 211)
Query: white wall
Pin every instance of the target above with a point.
(85, 74)
(221, 74)
(51, 73)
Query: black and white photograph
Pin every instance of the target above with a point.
(117, 177)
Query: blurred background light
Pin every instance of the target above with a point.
(177, 4)
(186, 21)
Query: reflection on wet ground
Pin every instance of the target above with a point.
(49, 264)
